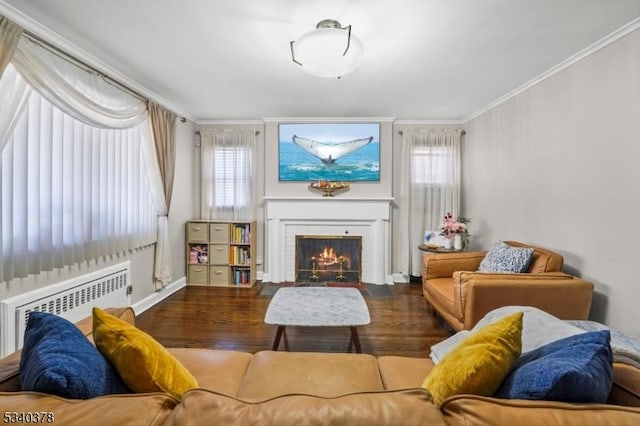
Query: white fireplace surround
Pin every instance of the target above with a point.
(368, 218)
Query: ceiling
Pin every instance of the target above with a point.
(439, 60)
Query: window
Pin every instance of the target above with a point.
(229, 176)
(429, 165)
(70, 192)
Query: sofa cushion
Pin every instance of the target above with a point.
(480, 363)
(503, 258)
(401, 372)
(217, 370)
(108, 410)
(143, 363)
(574, 369)
(407, 408)
(471, 410)
(441, 291)
(272, 374)
(58, 359)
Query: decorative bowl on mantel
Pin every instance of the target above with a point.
(328, 187)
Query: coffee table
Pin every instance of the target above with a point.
(317, 307)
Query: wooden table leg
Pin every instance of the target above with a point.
(276, 341)
(355, 340)
(286, 339)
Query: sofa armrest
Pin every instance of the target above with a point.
(559, 294)
(443, 265)
(473, 410)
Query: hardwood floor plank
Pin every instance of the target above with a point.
(233, 319)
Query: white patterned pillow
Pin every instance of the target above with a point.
(503, 258)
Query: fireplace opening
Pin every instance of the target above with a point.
(328, 258)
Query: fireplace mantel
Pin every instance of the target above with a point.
(368, 218)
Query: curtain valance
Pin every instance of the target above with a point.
(78, 92)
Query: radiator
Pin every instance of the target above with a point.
(72, 299)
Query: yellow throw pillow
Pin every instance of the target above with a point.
(143, 363)
(478, 364)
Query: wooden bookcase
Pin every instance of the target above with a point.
(221, 253)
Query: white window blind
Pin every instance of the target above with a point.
(70, 192)
(229, 176)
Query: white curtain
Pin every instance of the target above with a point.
(228, 176)
(14, 92)
(70, 192)
(78, 92)
(162, 269)
(430, 187)
(82, 95)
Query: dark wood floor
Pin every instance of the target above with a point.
(233, 318)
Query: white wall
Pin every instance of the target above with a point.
(557, 166)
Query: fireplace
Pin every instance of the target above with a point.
(325, 258)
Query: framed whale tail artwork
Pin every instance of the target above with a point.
(346, 152)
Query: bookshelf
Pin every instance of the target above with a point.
(221, 253)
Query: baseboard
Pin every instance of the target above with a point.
(400, 278)
(159, 296)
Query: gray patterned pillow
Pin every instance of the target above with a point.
(503, 258)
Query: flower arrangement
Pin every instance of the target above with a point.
(451, 227)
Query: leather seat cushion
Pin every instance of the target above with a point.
(273, 374)
(217, 370)
(399, 372)
(441, 291)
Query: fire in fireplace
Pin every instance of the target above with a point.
(322, 258)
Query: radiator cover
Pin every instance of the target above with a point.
(72, 299)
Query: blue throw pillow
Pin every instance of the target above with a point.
(574, 369)
(58, 359)
(504, 258)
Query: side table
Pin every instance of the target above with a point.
(431, 249)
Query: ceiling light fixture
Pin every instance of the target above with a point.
(329, 51)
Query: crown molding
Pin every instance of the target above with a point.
(229, 122)
(426, 122)
(582, 54)
(69, 48)
(327, 119)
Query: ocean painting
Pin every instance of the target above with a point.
(348, 152)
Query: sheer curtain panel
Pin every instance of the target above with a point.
(14, 92)
(228, 177)
(10, 34)
(81, 93)
(430, 187)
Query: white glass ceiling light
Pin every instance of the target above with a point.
(329, 51)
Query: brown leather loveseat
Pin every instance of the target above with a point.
(302, 388)
(462, 296)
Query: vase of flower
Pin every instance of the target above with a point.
(446, 244)
(455, 231)
(457, 242)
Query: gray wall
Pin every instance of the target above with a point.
(557, 166)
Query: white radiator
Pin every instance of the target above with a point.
(72, 299)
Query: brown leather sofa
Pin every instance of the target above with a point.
(296, 388)
(462, 296)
